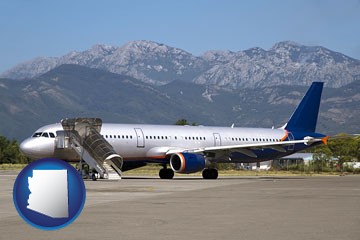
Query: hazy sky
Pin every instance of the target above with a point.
(33, 28)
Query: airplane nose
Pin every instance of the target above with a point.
(26, 147)
(37, 148)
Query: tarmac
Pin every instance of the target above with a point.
(193, 208)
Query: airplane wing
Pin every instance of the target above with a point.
(247, 148)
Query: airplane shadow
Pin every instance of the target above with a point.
(220, 178)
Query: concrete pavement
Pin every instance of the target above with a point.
(193, 208)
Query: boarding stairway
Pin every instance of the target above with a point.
(83, 136)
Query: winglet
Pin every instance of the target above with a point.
(325, 140)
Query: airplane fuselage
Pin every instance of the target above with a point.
(139, 142)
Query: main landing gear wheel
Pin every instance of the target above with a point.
(210, 173)
(166, 173)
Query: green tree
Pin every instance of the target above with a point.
(344, 149)
(322, 157)
(10, 152)
(184, 122)
(357, 146)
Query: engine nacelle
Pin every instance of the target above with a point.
(187, 162)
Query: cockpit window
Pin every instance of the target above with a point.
(37, 134)
(45, 134)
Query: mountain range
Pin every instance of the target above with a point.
(72, 90)
(286, 63)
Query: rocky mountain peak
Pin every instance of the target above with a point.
(145, 46)
(286, 45)
(155, 63)
(102, 49)
(309, 54)
(218, 56)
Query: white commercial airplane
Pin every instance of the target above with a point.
(189, 149)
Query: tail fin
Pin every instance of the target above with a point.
(305, 116)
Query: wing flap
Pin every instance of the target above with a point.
(246, 148)
(278, 146)
(254, 145)
(247, 152)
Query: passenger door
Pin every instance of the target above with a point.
(140, 137)
(217, 139)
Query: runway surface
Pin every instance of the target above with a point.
(193, 208)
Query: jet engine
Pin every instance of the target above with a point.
(187, 162)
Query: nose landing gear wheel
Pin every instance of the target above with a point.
(93, 177)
